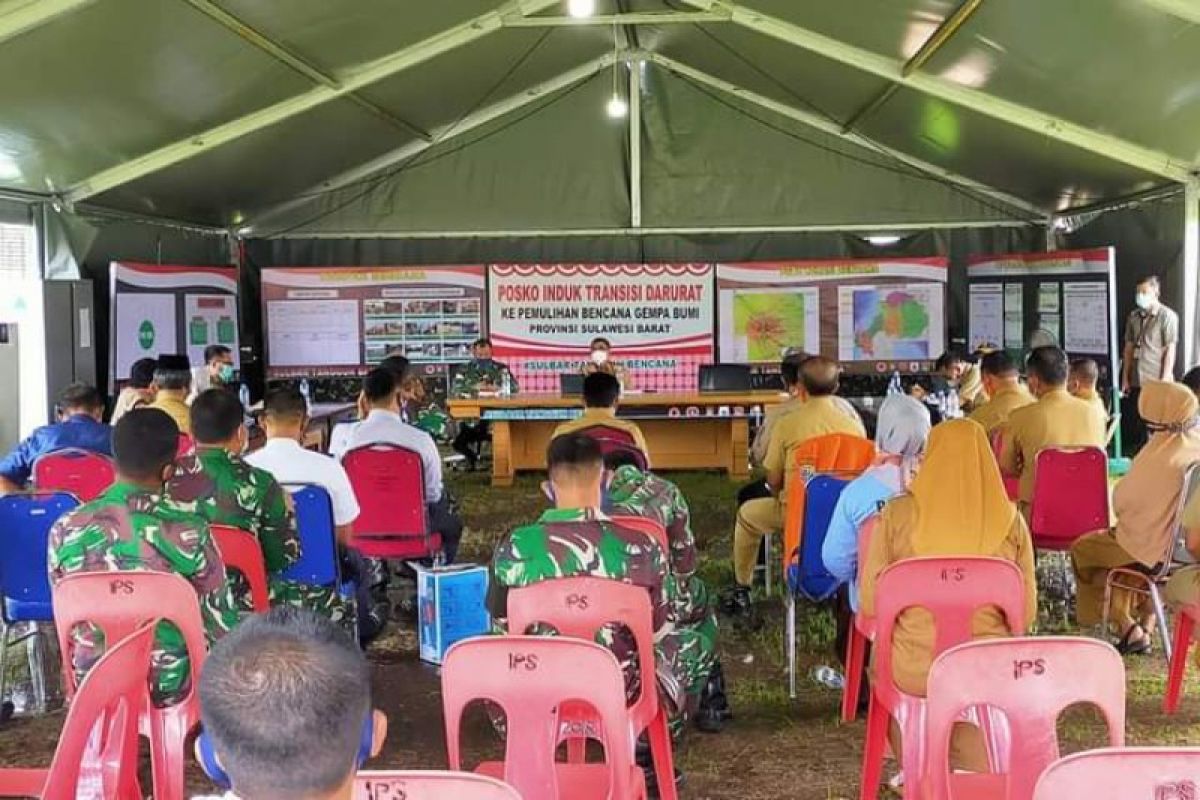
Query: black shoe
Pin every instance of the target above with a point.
(736, 603)
(714, 704)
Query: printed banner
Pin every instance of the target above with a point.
(874, 315)
(342, 320)
(542, 318)
(167, 310)
(1097, 261)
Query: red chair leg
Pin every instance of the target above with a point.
(576, 750)
(874, 750)
(1184, 624)
(856, 648)
(664, 759)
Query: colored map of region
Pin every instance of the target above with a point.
(766, 324)
(890, 324)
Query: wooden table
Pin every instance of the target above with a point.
(683, 431)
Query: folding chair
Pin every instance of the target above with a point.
(318, 564)
(1031, 680)
(1070, 496)
(862, 633)
(186, 447)
(615, 440)
(1185, 624)
(419, 785)
(81, 472)
(1012, 483)
(1155, 773)
(242, 553)
(581, 608)
(25, 523)
(99, 740)
(531, 678)
(389, 482)
(118, 603)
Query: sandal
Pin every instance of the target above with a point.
(1128, 647)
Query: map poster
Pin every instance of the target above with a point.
(760, 325)
(891, 323)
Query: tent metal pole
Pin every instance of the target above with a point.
(635, 143)
(1191, 266)
(892, 69)
(635, 18)
(22, 16)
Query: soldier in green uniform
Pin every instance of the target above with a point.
(643, 494)
(132, 526)
(480, 374)
(223, 489)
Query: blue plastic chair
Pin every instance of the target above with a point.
(318, 564)
(807, 576)
(25, 522)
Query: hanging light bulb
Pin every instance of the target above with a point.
(581, 8)
(617, 108)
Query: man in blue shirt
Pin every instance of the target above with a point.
(81, 407)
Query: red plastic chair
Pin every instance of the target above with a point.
(580, 608)
(242, 553)
(615, 440)
(186, 447)
(417, 785)
(1154, 773)
(651, 527)
(531, 678)
(81, 472)
(1185, 624)
(1070, 496)
(389, 482)
(1012, 483)
(862, 633)
(1032, 680)
(119, 603)
(108, 704)
(952, 590)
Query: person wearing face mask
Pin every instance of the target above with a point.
(1151, 336)
(601, 360)
(135, 526)
(220, 486)
(480, 374)
(217, 370)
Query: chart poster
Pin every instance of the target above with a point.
(1085, 318)
(986, 312)
(768, 308)
(163, 309)
(659, 318)
(343, 320)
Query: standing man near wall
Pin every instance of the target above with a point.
(1151, 335)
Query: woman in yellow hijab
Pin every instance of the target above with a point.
(956, 506)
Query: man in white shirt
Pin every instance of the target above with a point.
(383, 425)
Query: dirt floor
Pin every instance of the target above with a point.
(775, 748)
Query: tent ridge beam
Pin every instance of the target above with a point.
(1108, 146)
(281, 54)
(632, 18)
(350, 81)
(1186, 10)
(21, 16)
(832, 128)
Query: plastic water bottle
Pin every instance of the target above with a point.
(244, 396)
(894, 385)
(828, 677)
(506, 384)
(953, 407)
(305, 391)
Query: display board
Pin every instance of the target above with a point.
(873, 315)
(659, 318)
(342, 320)
(161, 310)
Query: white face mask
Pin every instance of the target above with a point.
(1145, 301)
(599, 356)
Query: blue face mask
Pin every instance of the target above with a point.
(225, 373)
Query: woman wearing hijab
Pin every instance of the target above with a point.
(956, 506)
(1146, 502)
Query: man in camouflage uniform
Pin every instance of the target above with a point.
(642, 494)
(480, 374)
(221, 487)
(132, 526)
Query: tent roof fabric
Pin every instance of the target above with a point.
(291, 117)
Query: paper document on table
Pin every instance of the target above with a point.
(986, 315)
(306, 333)
(1085, 307)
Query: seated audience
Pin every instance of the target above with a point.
(1191, 379)
(285, 701)
(948, 371)
(384, 426)
(971, 391)
(1146, 502)
(956, 506)
(819, 415)
(81, 407)
(601, 396)
(1085, 374)
(1056, 420)
(601, 361)
(138, 392)
(1002, 383)
(217, 370)
(643, 494)
(481, 374)
(173, 384)
(789, 373)
(133, 526)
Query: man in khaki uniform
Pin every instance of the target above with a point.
(1056, 420)
(1085, 375)
(1151, 336)
(173, 377)
(1002, 382)
(601, 394)
(820, 414)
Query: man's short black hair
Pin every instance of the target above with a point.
(286, 402)
(482, 341)
(1151, 281)
(171, 378)
(1086, 370)
(947, 359)
(789, 367)
(601, 390)
(284, 698)
(144, 441)
(820, 376)
(141, 374)
(601, 340)
(396, 364)
(80, 397)
(1191, 379)
(379, 385)
(1049, 364)
(216, 416)
(574, 453)
(215, 351)
(998, 364)
(620, 457)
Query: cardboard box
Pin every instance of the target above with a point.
(452, 603)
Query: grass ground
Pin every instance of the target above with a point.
(776, 747)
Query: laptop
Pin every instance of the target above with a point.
(570, 384)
